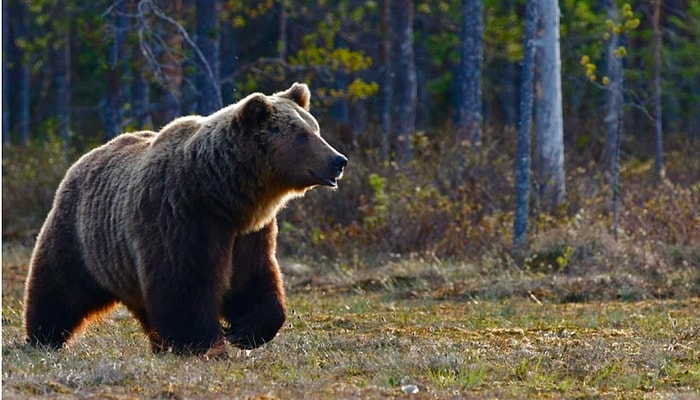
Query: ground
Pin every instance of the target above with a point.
(381, 339)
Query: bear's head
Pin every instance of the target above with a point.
(299, 158)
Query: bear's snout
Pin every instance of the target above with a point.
(329, 174)
(339, 164)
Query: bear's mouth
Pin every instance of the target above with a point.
(332, 182)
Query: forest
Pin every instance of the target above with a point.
(506, 157)
(429, 97)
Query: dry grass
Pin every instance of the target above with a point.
(350, 335)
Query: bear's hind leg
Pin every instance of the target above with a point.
(60, 295)
(54, 313)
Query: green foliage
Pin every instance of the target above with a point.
(628, 23)
(30, 176)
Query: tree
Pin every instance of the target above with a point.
(406, 83)
(613, 93)
(549, 143)
(471, 54)
(161, 42)
(62, 73)
(116, 61)
(613, 118)
(658, 131)
(282, 19)
(522, 169)
(23, 73)
(5, 75)
(386, 83)
(140, 94)
(208, 80)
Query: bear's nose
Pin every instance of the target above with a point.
(339, 164)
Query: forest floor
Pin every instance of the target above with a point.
(385, 337)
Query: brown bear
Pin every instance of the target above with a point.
(180, 226)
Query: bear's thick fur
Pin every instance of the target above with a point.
(180, 226)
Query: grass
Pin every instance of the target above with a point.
(383, 337)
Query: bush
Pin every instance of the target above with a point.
(454, 203)
(30, 176)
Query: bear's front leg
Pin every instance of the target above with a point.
(183, 318)
(254, 306)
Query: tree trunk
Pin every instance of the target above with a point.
(62, 73)
(386, 85)
(550, 125)
(406, 83)
(613, 119)
(229, 62)
(282, 27)
(5, 75)
(115, 60)
(171, 62)
(140, 93)
(613, 93)
(208, 81)
(471, 49)
(23, 75)
(657, 92)
(522, 169)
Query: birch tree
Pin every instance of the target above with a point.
(549, 142)
(522, 168)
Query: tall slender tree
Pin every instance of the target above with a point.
(166, 55)
(549, 141)
(23, 73)
(522, 166)
(62, 72)
(406, 81)
(141, 100)
(208, 75)
(5, 74)
(471, 54)
(282, 19)
(613, 93)
(386, 85)
(140, 86)
(115, 61)
(613, 118)
(658, 130)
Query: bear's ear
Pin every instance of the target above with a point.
(298, 93)
(255, 109)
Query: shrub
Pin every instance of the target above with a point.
(30, 176)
